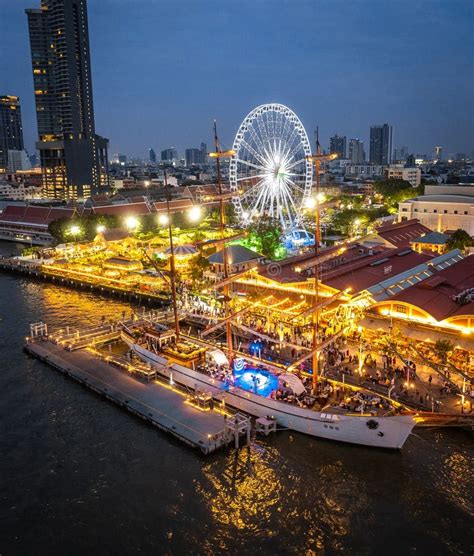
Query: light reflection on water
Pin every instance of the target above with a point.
(83, 474)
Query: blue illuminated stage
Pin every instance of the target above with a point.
(256, 380)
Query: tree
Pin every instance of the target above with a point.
(395, 191)
(200, 265)
(264, 236)
(459, 239)
(442, 349)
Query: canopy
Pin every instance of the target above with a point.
(218, 356)
(293, 382)
(182, 250)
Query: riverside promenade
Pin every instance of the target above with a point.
(157, 403)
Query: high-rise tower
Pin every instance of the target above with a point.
(73, 156)
(381, 137)
(11, 131)
(337, 145)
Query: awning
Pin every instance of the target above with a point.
(218, 356)
(293, 382)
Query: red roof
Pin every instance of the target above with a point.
(402, 233)
(41, 216)
(123, 210)
(435, 295)
(176, 205)
(372, 269)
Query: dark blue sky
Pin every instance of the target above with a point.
(163, 70)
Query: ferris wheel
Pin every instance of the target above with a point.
(269, 172)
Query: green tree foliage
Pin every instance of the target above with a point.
(442, 349)
(349, 221)
(61, 229)
(200, 265)
(264, 236)
(394, 191)
(460, 239)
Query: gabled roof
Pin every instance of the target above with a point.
(400, 234)
(431, 238)
(236, 254)
(395, 285)
(176, 205)
(123, 210)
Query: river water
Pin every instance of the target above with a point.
(79, 475)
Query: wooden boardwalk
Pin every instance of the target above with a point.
(157, 403)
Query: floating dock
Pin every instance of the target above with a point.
(157, 403)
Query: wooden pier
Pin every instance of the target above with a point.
(158, 403)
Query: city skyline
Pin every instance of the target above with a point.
(134, 109)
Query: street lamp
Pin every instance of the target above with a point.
(74, 231)
(131, 223)
(163, 219)
(100, 229)
(194, 213)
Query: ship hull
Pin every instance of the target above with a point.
(380, 432)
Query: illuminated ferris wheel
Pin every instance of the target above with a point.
(269, 171)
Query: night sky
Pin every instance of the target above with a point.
(163, 70)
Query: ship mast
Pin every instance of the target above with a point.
(316, 159)
(218, 154)
(172, 261)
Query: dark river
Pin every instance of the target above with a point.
(81, 476)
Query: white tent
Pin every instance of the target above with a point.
(217, 356)
(293, 382)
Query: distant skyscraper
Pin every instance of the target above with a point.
(356, 151)
(194, 157)
(400, 154)
(337, 144)
(73, 157)
(122, 159)
(381, 144)
(169, 155)
(438, 151)
(11, 131)
(18, 160)
(151, 155)
(204, 153)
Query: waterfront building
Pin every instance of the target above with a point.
(11, 130)
(337, 145)
(440, 212)
(29, 224)
(73, 157)
(381, 137)
(356, 151)
(401, 172)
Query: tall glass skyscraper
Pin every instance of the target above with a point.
(381, 137)
(73, 157)
(11, 131)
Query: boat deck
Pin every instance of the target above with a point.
(157, 403)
